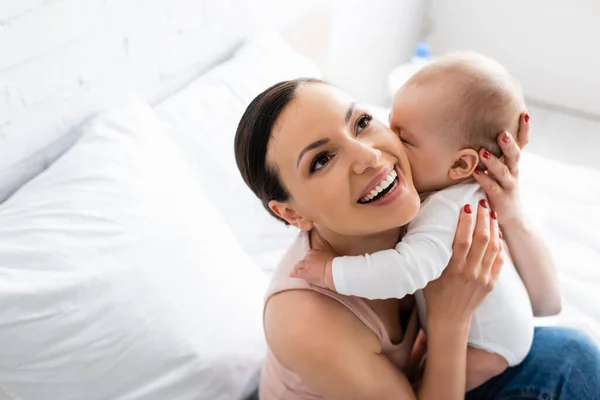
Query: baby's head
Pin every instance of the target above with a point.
(451, 109)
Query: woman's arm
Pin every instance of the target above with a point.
(337, 355)
(330, 349)
(535, 265)
(531, 256)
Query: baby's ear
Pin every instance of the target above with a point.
(465, 162)
(285, 211)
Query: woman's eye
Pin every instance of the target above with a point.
(319, 162)
(363, 123)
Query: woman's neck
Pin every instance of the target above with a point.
(324, 239)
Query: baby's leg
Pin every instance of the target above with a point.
(483, 366)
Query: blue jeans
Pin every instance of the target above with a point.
(563, 364)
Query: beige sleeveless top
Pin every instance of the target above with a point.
(279, 383)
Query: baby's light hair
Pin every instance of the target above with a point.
(488, 99)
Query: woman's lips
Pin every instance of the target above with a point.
(376, 181)
(398, 187)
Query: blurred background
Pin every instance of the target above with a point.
(551, 46)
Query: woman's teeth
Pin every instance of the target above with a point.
(381, 186)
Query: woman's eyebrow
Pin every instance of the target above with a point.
(350, 111)
(323, 142)
(310, 147)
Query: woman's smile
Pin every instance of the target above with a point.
(383, 191)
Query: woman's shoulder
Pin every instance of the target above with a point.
(307, 323)
(293, 307)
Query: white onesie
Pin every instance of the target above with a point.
(503, 324)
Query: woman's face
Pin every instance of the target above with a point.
(333, 157)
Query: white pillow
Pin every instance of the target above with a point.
(118, 279)
(204, 117)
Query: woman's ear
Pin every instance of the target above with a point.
(465, 163)
(284, 211)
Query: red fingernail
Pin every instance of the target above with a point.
(500, 234)
(506, 137)
(493, 214)
(486, 154)
(483, 203)
(477, 171)
(468, 208)
(527, 118)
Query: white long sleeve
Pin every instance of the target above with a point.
(419, 258)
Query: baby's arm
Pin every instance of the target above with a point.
(418, 259)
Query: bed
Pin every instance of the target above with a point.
(133, 259)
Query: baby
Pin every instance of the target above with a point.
(444, 115)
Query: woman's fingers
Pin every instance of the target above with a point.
(481, 238)
(497, 170)
(489, 184)
(523, 134)
(491, 252)
(497, 265)
(463, 236)
(511, 151)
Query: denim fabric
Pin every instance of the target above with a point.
(563, 364)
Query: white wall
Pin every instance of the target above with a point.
(62, 60)
(552, 46)
(368, 38)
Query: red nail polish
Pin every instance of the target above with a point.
(526, 118)
(500, 234)
(493, 214)
(468, 208)
(483, 203)
(506, 137)
(486, 154)
(477, 171)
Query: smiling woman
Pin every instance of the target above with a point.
(313, 156)
(319, 161)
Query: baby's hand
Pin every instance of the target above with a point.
(316, 268)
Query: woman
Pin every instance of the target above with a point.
(307, 150)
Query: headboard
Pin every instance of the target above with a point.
(62, 60)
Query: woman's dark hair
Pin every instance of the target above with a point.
(252, 140)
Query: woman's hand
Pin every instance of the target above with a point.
(471, 273)
(451, 299)
(531, 256)
(500, 181)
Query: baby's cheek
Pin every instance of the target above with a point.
(410, 158)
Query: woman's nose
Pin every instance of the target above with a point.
(365, 157)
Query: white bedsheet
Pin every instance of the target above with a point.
(564, 202)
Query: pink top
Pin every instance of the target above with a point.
(279, 383)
